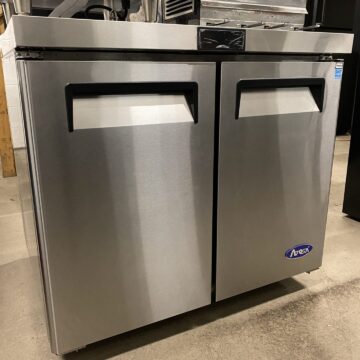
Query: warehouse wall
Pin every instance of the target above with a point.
(12, 95)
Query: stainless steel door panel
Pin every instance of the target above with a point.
(274, 178)
(126, 211)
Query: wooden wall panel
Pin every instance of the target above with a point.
(6, 147)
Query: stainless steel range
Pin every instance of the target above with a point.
(171, 166)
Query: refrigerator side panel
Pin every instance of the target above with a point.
(30, 202)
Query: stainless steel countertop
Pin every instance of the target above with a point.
(61, 33)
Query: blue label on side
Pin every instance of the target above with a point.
(299, 251)
(339, 71)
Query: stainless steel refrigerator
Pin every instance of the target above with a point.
(171, 166)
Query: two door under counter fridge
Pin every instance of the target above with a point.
(148, 202)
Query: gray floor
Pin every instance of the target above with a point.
(314, 316)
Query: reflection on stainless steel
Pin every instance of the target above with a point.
(276, 3)
(277, 26)
(274, 175)
(107, 14)
(147, 8)
(249, 26)
(233, 4)
(46, 4)
(22, 7)
(89, 34)
(311, 27)
(8, 10)
(223, 22)
(130, 110)
(277, 102)
(68, 8)
(27, 205)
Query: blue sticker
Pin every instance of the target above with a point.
(299, 251)
(339, 68)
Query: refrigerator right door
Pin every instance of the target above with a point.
(277, 133)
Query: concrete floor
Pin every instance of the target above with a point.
(314, 316)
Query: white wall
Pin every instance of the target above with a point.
(12, 94)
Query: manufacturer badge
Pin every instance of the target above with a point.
(299, 251)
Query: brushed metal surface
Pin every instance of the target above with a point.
(238, 18)
(149, 6)
(274, 180)
(130, 110)
(8, 10)
(125, 214)
(42, 32)
(22, 7)
(276, 102)
(68, 8)
(98, 34)
(278, 3)
(28, 177)
(46, 4)
(254, 6)
(279, 41)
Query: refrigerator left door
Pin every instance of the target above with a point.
(121, 158)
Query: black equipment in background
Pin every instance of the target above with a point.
(352, 189)
(338, 16)
(332, 14)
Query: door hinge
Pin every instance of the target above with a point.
(29, 55)
(326, 58)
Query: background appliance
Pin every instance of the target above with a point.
(331, 14)
(253, 13)
(352, 188)
(143, 163)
